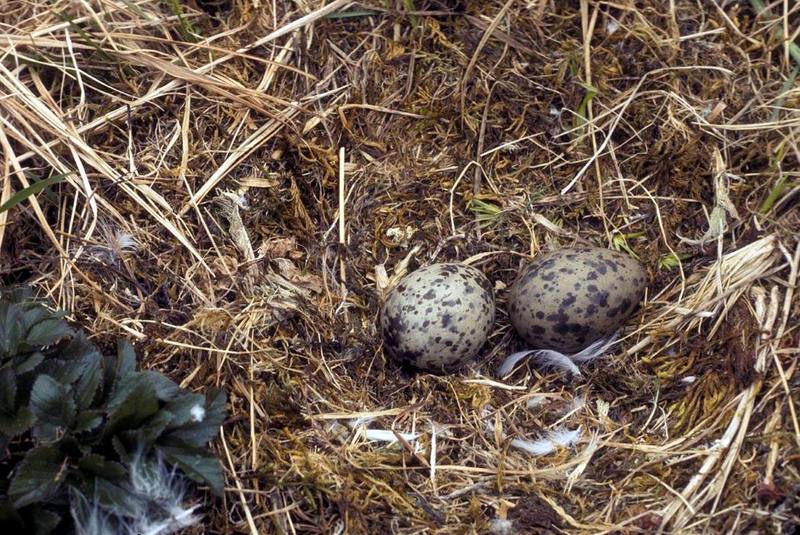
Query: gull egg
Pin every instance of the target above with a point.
(566, 299)
(438, 317)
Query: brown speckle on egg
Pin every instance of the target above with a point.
(569, 298)
(441, 319)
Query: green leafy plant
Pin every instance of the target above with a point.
(78, 427)
(619, 242)
(485, 212)
(581, 114)
(672, 260)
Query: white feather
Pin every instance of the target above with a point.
(384, 435)
(595, 350)
(87, 515)
(536, 401)
(538, 447)
(511, 361)
(501, 526)
(550, 358)
(156, 497)
(565, 438)
(357, 422)
(577, 403)
(559, 438)
(546, 358)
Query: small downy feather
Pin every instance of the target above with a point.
(546, 358)
(501, 526)
(560, 438)
(156, 495)
(549, 358)
(386, 435)
(88, 516)
(595, 350)
(359, 425)
(117, 244)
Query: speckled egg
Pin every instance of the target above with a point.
(567, 299)
(438, 317)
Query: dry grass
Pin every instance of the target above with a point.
(208, 213)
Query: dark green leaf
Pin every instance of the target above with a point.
(8, 391)
(120, 374)
(11, 328)
(137, 407)
(38, 476)
(89, 381)
(56, 368)
(88, 420)
(198, 464)
(117, 497)
(29, 362)
(33, 189)
(74, 359)
(44, 521)
(98, 465)
(33, 313)
(44, 432)
(51, 402)
(187, 407)
(125, 453)
(47, 332)
(127, 358)
(146, 435)
(202, 426)
(17, 293)
(165, 388)
(78, 347)
(16, 423)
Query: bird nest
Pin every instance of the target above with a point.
(234, 185)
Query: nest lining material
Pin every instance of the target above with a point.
(240, 183)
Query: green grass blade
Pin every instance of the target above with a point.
(33, 189)
(352, 14)
(779, 187)
(788, 85)
(580, 114)
(136, 9)
(84, 35)
(794, 49)
(187, 30)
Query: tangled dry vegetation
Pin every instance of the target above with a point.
(198, 204)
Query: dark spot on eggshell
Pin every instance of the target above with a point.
(600, 299)
(552, 307)
(445, 319)
(442, 318)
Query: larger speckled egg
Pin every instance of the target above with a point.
(438, 317)
(569, 298)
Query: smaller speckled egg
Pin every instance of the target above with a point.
(438, 317)
(569, 298)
